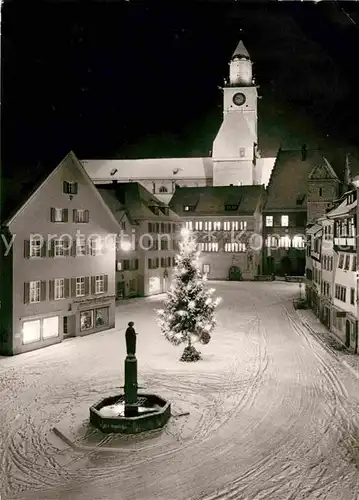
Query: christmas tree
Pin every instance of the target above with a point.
(189, 308)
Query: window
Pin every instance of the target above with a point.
(298, 242)
(235, 225)
(101, 316)
(31, 331)
(80, 286)
(70, 187)
(284, 221)
(208, 225)
(188, 208)
(351, 227)
(340, 292)
(95, 246)
(59, 248)
(86, 320)
(226, 226)
(198, 225)
(284, 242)
(59, 289)
(59, 215)
(163, 189)
(99, 283)
(269, 220)
(123, 225)
(50, 327)
(320, 191)
(80, 246)
(206, 268)
(126, 265)
(209, 247)
(347, 262)
(242, 152)
(217, 226)
(341, 261)
(243, 225)
(189, 225)
(230, 208)
(234, 247)
(164, 245)
(352, 296)
(81, 215)
(272, 242)
(35, 247)
(155, 209)
(35, 288)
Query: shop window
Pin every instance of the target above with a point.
(50, 327)
(86, 320)
(101, 316)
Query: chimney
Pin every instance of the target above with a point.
(304, 152)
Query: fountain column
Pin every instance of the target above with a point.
(131, 408)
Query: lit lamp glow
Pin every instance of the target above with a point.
(125, 246)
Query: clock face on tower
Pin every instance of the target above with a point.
(239, 99)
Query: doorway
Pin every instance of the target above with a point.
(120, 291)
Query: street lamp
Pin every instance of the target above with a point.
(125, 246)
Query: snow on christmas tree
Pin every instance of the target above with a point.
(189, 308)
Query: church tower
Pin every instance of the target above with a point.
(234, 152)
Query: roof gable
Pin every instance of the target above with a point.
(72, 163)
(324, 170)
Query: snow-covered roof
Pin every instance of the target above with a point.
(342, 209)
(314, 229)
(149, 168)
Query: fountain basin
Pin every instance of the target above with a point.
(108, 415)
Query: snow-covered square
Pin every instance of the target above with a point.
(270, 410)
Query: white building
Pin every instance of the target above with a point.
(235, 156)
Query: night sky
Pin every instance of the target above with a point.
(140, 79)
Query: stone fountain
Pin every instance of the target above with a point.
(130, 412)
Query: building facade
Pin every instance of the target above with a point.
(227, 222)
(58, 275)
(332, 286)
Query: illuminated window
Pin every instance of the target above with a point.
(243, 225)
(50, 327)
(206, 268)
(35, 247)
(235, 225)
(234, 247)
(284, 242)
(298, 242)
(189, 225)
(284, 221)
(226, 225)
(31, 331)
(217, 226)
(199, 225)
(208, 225)
(59, 248)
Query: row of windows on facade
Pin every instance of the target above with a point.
(344, 228)
(344, 262)
(297, 241)
(327, 263)
(165, 262)
(62, 247)
(132, 265)
(228, 246)
(341, 294)
(299, 220)
(216, 225)
(79, 215)
(163, 227)
(63, 288)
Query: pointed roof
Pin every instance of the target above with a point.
(241, 51)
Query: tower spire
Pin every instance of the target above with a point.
(240, 67)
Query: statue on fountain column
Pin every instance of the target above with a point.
(131, 339)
